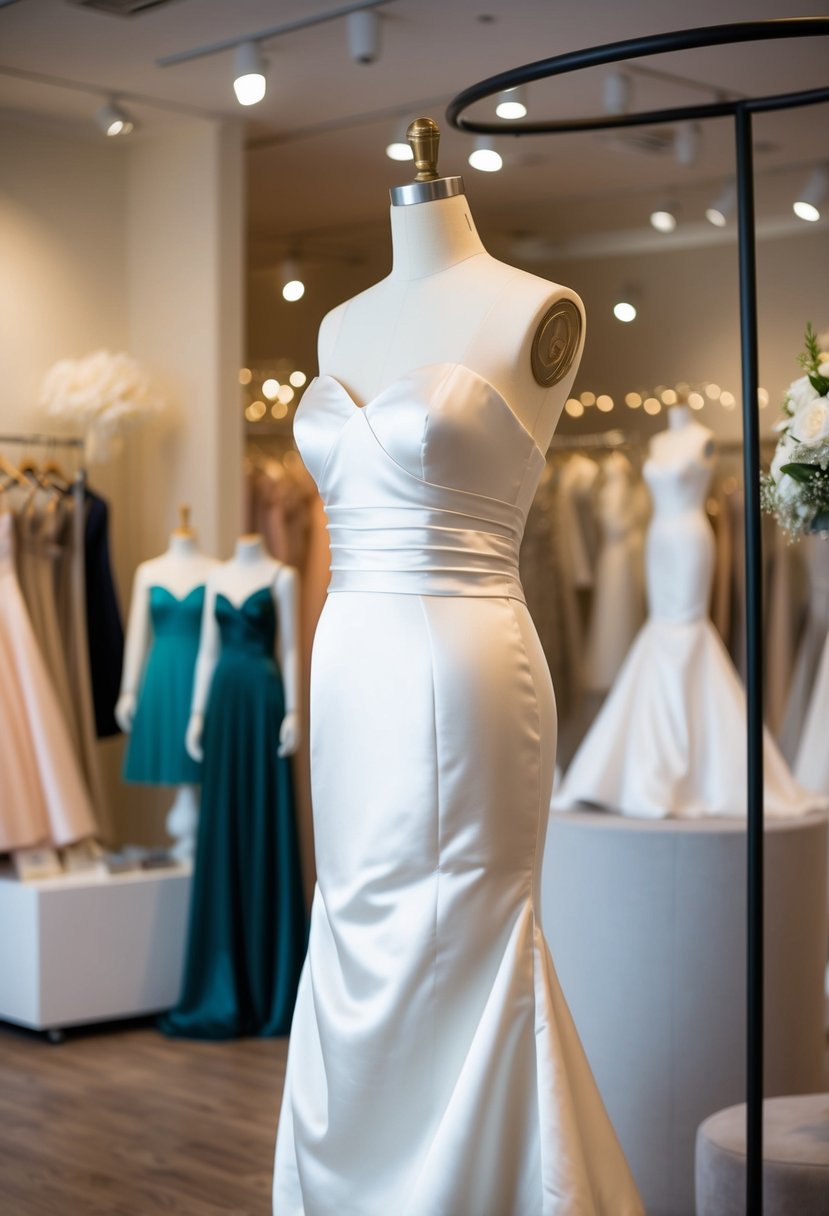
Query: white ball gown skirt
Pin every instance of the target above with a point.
(670, 739)
(434, 1068)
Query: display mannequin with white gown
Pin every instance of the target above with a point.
(163, 630)
(618, 603)
(434, 1069)
(670, 738)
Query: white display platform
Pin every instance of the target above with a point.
(647, 926)
(91, 947)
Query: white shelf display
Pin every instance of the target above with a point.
(91, 947)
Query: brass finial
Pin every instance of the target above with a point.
(424, 138)
(184, 528)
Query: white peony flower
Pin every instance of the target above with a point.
(800, 393)
(782, 455)
(811, 421)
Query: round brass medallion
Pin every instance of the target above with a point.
(556, 342)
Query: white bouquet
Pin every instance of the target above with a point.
(796, 488)
(104, 395)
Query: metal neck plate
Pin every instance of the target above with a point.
(426, 192)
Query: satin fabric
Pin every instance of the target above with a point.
(155, 753)
(246, 939)
(670, 737)
(44, 798)
(433, 1069)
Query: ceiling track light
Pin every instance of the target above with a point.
(664, 217)
(400, 148)
(512, 103)
(722, 207)
(290, 282)
(483, 156)
(363, 27)
(114, 121)
(687, 142)
(626, 307)
(808, 202)
(617, 92)
(250, 82)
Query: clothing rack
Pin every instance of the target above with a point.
(40, 440)
(603, 441)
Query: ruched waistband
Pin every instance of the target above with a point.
(417, 551)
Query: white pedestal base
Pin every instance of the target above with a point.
(91, 947)
(646, 921)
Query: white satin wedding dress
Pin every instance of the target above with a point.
(434, 1069)
(670, 738)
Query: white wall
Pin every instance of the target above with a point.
(135, 247)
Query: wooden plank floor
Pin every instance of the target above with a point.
(124, 1122)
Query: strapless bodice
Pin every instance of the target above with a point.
(677, 487)
(247, 629)
(175, 617)
(426, 487)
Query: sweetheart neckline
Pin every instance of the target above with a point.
(220, 595)
(419, 370)
(180, 599)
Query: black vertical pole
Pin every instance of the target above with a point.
(754, 616)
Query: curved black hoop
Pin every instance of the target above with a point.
(641, 48)
(741, 109)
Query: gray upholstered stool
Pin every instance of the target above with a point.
(646, 921)
(795, 1159)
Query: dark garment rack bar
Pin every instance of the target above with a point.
(741, 110)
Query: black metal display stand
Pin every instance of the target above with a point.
(742, 111)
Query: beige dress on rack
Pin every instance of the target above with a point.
(44, 797)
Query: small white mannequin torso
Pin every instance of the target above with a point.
(250, 570)
(179, 570)
(684, 440)
(448, 301)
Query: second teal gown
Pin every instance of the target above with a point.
(247, 933)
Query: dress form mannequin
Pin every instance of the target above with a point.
(246, 934)
(180, 570)
(447, 300)
(250, 569)
(684, 439)
(432, 743)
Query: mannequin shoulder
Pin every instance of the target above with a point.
(333, 321)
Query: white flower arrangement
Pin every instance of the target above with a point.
(796, 488)
(103, 394)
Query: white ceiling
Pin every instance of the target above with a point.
(317, 172)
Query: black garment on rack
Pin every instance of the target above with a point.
(103, 617)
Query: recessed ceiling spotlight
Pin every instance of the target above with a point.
(114, 121)
(292, 286)
(484, 157)
(400, 148)
(807, 205)
(250, 82)
(719, 211)
(663, 219)
(512, 103)
(625, 308)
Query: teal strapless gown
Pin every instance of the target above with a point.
(155, 751)
(247, 935)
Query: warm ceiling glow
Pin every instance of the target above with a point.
(663, 220)
(727, 399)
(652, 405)
(634, 400)
(270, 388)
(279, 409)
(604, 403)
(293, 290)
(696, 401)
(399, 151)
(669, 396)
(574, 407)
(511, 104)
(712, 391)
(297, 379)
(285, 394)
(245, 375)
(588, 398)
